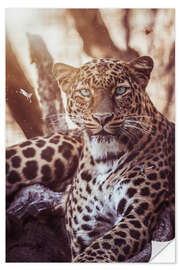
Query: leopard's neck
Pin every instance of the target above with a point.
(105, 152)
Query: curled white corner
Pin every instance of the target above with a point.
(163, 252)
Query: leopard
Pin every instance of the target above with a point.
(116, 168)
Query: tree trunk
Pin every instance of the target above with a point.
(50, 96)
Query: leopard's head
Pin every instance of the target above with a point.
(105, 96)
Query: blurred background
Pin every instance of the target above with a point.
(38, 38)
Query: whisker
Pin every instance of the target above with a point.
(133, 134)
(91, 126)
(116, 125)
(158, 118)
(55, 115)
(60, 115)
(135, 127)
(138, 116)
(127, 132)
(139, 122)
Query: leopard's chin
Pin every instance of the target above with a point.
(102, 136)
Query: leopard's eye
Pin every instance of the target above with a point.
(120, 90)
(85, 92)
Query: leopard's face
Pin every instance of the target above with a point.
(105, 94)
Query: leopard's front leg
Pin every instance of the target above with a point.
(126, 239)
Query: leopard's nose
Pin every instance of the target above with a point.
(102, 118)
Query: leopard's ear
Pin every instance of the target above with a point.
(64, 75)
(141, 68)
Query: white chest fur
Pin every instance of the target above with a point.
(101, 150)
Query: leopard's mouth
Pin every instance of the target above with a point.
(106, 130)
(103, 132)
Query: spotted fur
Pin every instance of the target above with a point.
(118, 172)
